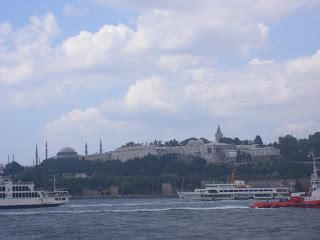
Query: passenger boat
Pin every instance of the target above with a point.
(235, 191)
(23, 195)
(300, 199)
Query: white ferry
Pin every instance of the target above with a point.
(23, 195)
(223, 191)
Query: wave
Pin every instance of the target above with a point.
(136, 204)
(125, 210)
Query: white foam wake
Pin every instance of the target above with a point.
(125, 210)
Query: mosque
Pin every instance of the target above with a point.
(67, 152)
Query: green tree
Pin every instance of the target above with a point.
(258, 140)
(13, 169)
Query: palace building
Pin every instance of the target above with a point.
(213, 152)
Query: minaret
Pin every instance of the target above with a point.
(37, 156)
(218, 134)
(8, 158)
(46, 150)
(100, 150)
(86, 149)
(12, 157)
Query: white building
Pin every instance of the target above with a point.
(259, 153)
(213, 152)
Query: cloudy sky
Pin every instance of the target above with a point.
(139, 70)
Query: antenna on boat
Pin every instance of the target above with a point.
(54, 182)
(315, 159)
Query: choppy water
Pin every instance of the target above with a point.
(159, 219)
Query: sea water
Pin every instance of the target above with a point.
(159, 219)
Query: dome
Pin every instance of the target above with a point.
(67, 151)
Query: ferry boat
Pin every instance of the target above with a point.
(300, 199)
(23, 195)
(236, 191)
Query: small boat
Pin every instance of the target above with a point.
(300, 199)
(23, 195)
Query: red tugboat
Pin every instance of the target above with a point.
(299, 200)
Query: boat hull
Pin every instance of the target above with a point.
(194, 196)
(30, 206)
(302, 204)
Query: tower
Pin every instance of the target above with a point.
(100, 149)
(46, 150)
(218, 134)
(86, 149)
(37, 156)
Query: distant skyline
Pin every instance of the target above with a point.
(79, 71)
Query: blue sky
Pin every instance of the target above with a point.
(77, 71)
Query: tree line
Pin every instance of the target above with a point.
(145, 175)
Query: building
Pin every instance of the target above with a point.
(167, 189)
(114, 191)
(68, 152)
(213, 152)
(259, 153)
(1, 170)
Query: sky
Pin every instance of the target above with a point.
(138, 70)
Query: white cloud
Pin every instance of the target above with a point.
(72, 10)
(150, 93)
(305, 65)
(298, 130)
(257, 61)
(248, 95)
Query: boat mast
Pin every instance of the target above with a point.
(54, 182)
(315, 170)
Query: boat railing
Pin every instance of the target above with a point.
(57, 194)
